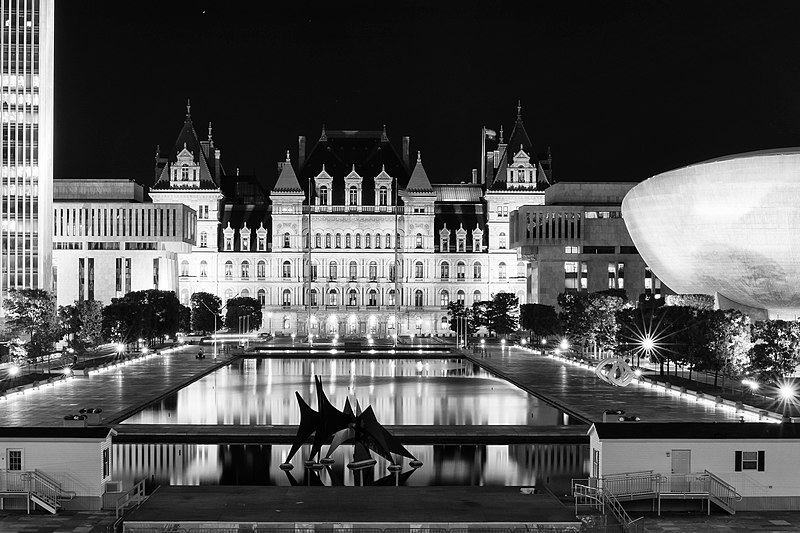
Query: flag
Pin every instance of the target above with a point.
(490, 134)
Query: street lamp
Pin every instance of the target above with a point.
(787, 393)
(564, 344)
(292, 339)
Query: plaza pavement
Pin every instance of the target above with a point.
(579, 390)
(114, 390)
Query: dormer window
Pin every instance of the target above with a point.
(354, 195)
(461, 239)
(185, 172)
(477, 239)
(383, 196)
(323, 195)
(383, 188)
(261, 238)
(444, 240)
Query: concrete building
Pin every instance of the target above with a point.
(578, 241)
(26, 159)
(726, 227)
(107, 241)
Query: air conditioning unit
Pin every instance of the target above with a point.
(114, 486)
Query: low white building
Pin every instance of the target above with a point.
(760, 461)
(59, 467)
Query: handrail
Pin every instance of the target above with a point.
(719, 481)
(135, 495)
(56, 485)
(600, 498)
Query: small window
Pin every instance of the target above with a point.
(106, 463)
(418, 242)
(750, 460)
(14, 459)
(286, 240)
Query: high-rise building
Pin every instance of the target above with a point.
(26, 161)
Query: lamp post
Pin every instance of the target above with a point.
(787, 393)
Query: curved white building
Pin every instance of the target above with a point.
(728, 227)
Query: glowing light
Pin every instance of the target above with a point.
(13, 371)
(120, 347)
(648, 344)
(523, 342)
(145, 350)
(787, 391)
(638, 372)
(564, 344)
(67, 371)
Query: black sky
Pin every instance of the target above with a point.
(619, 90)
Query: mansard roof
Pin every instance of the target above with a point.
(454, 215)
(188, 139)
(419, 182)
(342, 151)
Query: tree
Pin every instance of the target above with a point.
(502, 314)
(480, 313)
(242, 306)
(541, 320)
(702, 302)
(205, 312)
(775, 352)
(602, 310)
(148, 315)
(574, 316)
(730, 340)
(457, 311)
(31, 316)
(83, 322)
(185, 322)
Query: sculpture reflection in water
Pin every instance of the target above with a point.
(351, 425)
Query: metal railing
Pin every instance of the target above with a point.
(722, 493)
(130, 499)
(631, 484)
(36, 485)
(601, 498)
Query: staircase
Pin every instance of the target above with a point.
(645, 485)
(602, 499)
(36, 487)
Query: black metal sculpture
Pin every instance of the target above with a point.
(352, 424)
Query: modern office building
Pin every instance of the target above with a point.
(26, 160)
(107, 241)
(577, 241)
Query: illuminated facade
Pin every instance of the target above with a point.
(726, 227)
(380, 250)
(26, 164)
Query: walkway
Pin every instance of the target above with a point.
(577, 389)
(114, 390)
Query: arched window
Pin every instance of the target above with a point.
(203, 269)
(445, 299)
(286, 240)
(185, 297)
(203, 239)
(358, 240)
(245, 269)
(262, 297)
(383, 196)
(373, 298)
(390, 297)
(392, 271)
(353, 271)
(388, 241)
(418, 241)
(418, 270)
(461, 297)
(245, 293)
(287, 298)
(338, 240)
(377, 240)
(502, 242)
(347, 241)
(367, 241)
(352, 297)
(501, 271)
(461, 269)
(261, 269)
(353, 195)
(333, 271)
(318, 241)
(418, 298)
(228, 269)
(333, 297)
(314, 301)
(323, 195)
(445, 323)
(476, 270)
(287, 269)
(228, 295)
(184, 268)
(373, 270)
(445, 270)
(476, 296)
(521, 269)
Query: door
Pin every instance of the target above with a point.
(14, 466)
(680, 480)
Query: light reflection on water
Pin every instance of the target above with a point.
(401, 391)
(503, 465)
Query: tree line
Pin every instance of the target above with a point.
(32, 323)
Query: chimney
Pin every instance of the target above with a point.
(406, 160)
(217, 168)
(301, 151)
(474, 176)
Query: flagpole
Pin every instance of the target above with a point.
(310, 267)
(483, 155)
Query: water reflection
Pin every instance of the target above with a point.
(508, 465)
(401, 391)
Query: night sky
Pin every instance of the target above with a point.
(619, 90)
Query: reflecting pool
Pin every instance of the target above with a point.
(260, 391)
(196, 464)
